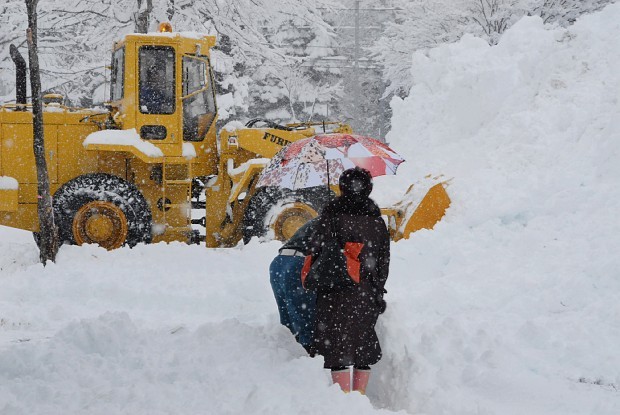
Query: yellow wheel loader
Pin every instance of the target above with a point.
(132, 172)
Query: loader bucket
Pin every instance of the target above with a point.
(417, 210)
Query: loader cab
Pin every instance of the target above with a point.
(162, 85)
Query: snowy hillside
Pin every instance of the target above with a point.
(509, 307)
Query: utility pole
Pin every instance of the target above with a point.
(356, 76)
(142, 16)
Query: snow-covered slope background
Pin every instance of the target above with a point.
(510, 306)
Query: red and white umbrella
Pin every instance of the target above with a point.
(321, 159)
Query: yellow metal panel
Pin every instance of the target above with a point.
(8, 200)
(178, 215)
(205, 163)
(25, 217)
(217, 197)
(74, 159)
(263, 141)
(145, 178)
(176, 171)
(242, 181)
(18, 154)
(28, 193)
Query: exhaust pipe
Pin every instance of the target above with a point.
(20, 78)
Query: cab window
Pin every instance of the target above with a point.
(157, 80)
(198, 98)
(117, 78)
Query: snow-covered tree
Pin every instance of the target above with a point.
(297, 85)
(253, 58)
(14, 23)
(423, 24)
(419, 24)
(361, 101)
(564, 12)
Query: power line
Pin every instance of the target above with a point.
(340, 58)
(356, 63)
(376, 9)
(343, 67)
(308, 46)
(335, 27)
(361, 27)
(326, 67)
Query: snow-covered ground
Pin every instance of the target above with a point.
(509, 307)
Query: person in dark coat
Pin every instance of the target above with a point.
(345, 319)
(295, 305)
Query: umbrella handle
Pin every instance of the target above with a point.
(327, 162)
(297, 175)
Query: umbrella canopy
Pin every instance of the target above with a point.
(321, 159)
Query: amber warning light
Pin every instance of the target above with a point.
(165, 27)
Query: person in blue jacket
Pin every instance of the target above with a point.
(295, 305)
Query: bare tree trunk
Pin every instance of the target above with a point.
(48, 246)
(143, 15)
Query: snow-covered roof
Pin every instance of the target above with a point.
(187, 35)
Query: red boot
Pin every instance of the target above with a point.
(343, 379)
(360, 380)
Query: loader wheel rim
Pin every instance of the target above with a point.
(290, 219)
(101, 223)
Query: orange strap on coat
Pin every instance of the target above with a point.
(306, 269)
(352, 252)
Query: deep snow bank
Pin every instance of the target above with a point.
(511, 305)
(156, 329)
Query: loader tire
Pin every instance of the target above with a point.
(101, 209)
(280, 212)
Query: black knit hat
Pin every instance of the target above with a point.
(356, 182)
